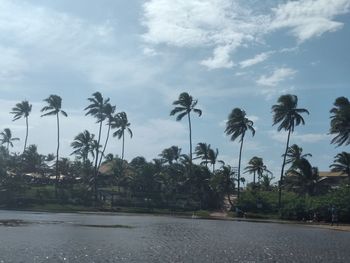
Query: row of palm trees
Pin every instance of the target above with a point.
(285, 113)
(84, 143)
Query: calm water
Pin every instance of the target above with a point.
(67, 237)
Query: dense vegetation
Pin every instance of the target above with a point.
(172, 180)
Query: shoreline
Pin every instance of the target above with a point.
(201, 215)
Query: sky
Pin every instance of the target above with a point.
(143, 54)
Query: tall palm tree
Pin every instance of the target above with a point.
(184, 105)
(288, 116)
(97, 109)
(109, 112)
(213, 158)
(54, 104)
(22, 109)
(121, 122)
(340, 121)
(236, 126)
(7, 138)
(256, 166)
(202, 151)
(83, 145)
(342, 163)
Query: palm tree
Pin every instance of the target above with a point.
(82, 145)
(202, 151)
(306, 176)
(97, 109)
(171, 154)
(340, 121)
(22, 109)
(288, 115)
(184, 105)
(121, 122)
(295, 154)
(109, 111)
(54, 108)
(256, 166)
(7, 138)
(213, 158)
(341, 163)
(227, 173)
(236, 126)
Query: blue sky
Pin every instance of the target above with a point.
(143, 54)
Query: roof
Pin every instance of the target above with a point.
(332, 174)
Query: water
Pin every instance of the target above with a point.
(63, 237)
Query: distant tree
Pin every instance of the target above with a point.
(109, 112)
(7, 138)
(171, 154)
(341, 163)
(22, 109)
(213, 158)
(97, 109)
(306, 177)
(54, 104)
(256, 166)
(266, 182)
(183, 106)
(83, 145)
(236, 126)
(202, 151)
(340, 121)
(295, 154)
(121, 122)
(288, 116)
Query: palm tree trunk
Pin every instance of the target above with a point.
(96, 161)
(57, 152)
(190, 128)
(239, 167)
(282, 171)
(104, 147)
(213, 167)
(25, 141)
(123, 142)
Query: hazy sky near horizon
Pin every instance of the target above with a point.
(143, 54)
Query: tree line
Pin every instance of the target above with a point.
(173, 176)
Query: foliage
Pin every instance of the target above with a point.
(340, 120)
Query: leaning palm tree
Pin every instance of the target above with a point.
(256, 166)
(22, 109)
(342, 163)
(83, 145)
(236, 126)
(288, 115)
(97, 109)
(121, 122)
(340, 121)
(184, 105)
(7, 138)
(202, 151)
(54, 108)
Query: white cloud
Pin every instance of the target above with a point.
(222, 24)
(227, 25)
(309, 18)
(255, 60)
(276, 77)
(299, 138)
(220, 59)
